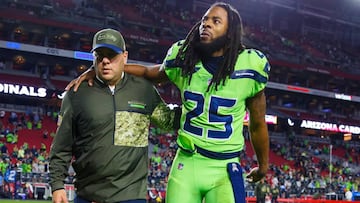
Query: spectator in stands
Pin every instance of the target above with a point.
(348, 194)
(219, 79)
(261, 191)
(153, 194)
(3, 148)
(1, 184)
(45, 134)
(274, 190)
(107, 137)
(2, 64)
(13, 118)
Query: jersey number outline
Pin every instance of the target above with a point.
(10, 176)
(215, 104)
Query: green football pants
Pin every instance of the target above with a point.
(194, 177)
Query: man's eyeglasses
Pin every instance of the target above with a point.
(102, 53)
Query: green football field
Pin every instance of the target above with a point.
(23, 201)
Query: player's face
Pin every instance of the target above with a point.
(109, 65)
(214, 24)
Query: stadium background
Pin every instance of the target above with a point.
(313, 95)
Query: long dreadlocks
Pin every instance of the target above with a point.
(188, 57)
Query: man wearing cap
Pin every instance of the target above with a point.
(105, 130)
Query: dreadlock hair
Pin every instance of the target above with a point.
(187, 57)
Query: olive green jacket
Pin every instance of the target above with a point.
(107, 135)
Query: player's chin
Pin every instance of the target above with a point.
(205, 39)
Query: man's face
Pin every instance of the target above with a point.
(213, 29)
(109, 65)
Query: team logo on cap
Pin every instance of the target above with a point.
(106, 36)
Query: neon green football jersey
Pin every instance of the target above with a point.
(214, 120)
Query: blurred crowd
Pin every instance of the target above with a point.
(299, 165)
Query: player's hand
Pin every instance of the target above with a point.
(255, 175)
(59, 196)
(88, 75)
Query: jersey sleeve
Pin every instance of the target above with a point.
(261, 68)
(172, 71)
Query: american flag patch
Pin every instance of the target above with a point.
(59, 120)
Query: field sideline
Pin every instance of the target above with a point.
(23, 201)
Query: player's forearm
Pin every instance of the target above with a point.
(258, 129)
(151, 73)
(136, 69)
(260, 143)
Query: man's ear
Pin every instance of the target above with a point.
(125, 55)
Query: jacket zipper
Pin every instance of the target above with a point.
(114, 114)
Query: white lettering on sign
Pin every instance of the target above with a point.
(22, 90)
(349, 129)
(330, 127)
(343, 97)
(52, 51)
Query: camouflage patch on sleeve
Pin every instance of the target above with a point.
(163, 117)
(131, 129)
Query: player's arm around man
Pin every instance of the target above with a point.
(153, 73)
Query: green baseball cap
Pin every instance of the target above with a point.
(109, 38)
